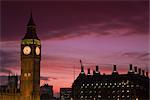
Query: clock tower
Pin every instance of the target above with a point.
(30, 63)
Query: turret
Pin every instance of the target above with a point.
(97, 69)
(135, 70)
(82, 68)
(130, 69)
(139, 71)
(114, 70)
(143, 72)
(88, 72)
(147, 74)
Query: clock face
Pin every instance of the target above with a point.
(37, 50)
(26, 50)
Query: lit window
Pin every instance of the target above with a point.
(115, 84)
(127, 96)
(99, 87)
(87, 84)
(127, 81)
(85, 96)
(123, 96)
(122, 90)
(110, 84)
(99, 96)
(90, 96)
(94, 87)
(81, 97)
(132, 85)
(96, 84)
(105, 83)
(92, 84)
(127, 85)
(81, 91)
(119, 83)
(81, 87)
(83, 84)
(90, 92)
(29, 74)
(25, 74)
(113, 96)
(101, 83)
(136, 99)
(122, 85)
(127, 90)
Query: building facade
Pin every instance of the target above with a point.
(65, 93)
(46, 92)
(131, 86)
(29, 88)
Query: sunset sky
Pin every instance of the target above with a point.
(97, 32)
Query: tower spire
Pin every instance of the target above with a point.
(82, 67)
(31, 29)
(31, 21)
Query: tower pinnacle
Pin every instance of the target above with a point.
(31, 21)
(82, 67)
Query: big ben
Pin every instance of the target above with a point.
(30, 63)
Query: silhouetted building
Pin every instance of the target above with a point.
(46, 92)
(131, 86)
(65, 93)
(29, 88)
(12, 85)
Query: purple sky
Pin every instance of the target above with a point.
(100, 33)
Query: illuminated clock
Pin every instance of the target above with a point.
(26, 50)
(37, 50)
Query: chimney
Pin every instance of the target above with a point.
(88, 71)
(146, 74)
(93, 72)
(139, 71)
(130, 70)
(135, 70)
(114, 69)
(97, 69)
(143, 72)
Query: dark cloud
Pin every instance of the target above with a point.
(45, 78)
(62, 20)
(8, 58)
(3, 80)
(138, 55)
(6, 71)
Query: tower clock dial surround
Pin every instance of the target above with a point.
(26, 50)
(37, 51)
